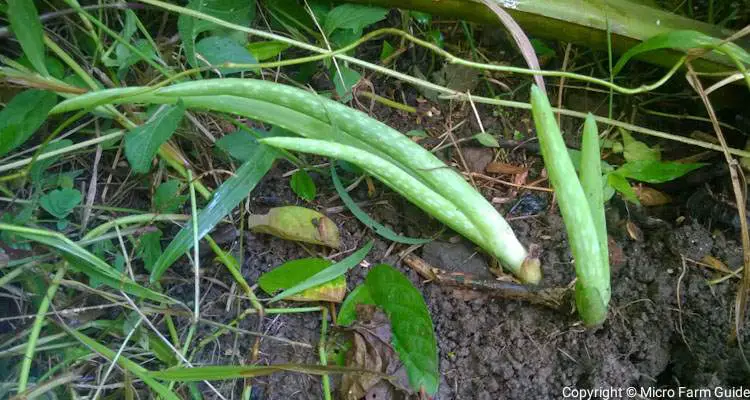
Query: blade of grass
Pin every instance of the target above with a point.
(223, 372)
(327, 274)
(28, 357)
(226, 197)
(362, 216)
(24, 20)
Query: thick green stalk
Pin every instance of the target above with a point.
(312, 116)
(592, 282)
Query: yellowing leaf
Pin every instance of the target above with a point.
(298, 224)
(294, 272)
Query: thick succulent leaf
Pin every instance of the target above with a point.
(224, 200)
(413, 334)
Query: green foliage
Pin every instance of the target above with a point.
(239, 12)
(350, 78)
(354, 17)
(24, 20)
(328, 274)
(634, 150)
(294, 272)
(142, 143)
(683, 40)
(22, 116)
(620, 184)
(225, 198)
(167, 198)
(40, 166)
(302, 185)
(240, 144)
(149, 249)
(486, 139)
(223, 372)
(61, 202)
(416, 133)
(217, 50)
(386, 51)
(655, 171)
(266, 50)
(413, 334)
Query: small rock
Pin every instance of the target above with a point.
(477, 158)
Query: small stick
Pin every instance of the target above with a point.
(551, 297)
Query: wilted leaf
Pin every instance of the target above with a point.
(24, 21)
(505, 168)
(655, 171)
(239, 12)
(353, 16)
(266, 50)
(217, 50)
(413, 335)
(486, 139)
(22, 116)
(142, 143)
(371, 350)
(297, 223)
(167, 198)
(60, 202)
(294, 272)
(327, 274)
(302, 185)
(225, 198)
(651, 197)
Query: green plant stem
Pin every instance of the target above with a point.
(28, 358)
(196, 255)
(388, 102)
(133, 219)
(322, 352)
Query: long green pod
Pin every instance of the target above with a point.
(359, 130)
(396, 178)
(591, 182)
(575, 210)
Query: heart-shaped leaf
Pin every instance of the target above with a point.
(61, 202)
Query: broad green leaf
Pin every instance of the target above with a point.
(655, 171)
(167, 198)
(127, 58)
(267, 49)
(362, 216)
(86, 262)
(486, 139)
(294, 272)
(239, 12)
(638, 151)
(620, 184)
(149, 249)
(297, 223)
(125, 363)
(37, 169)
(22, 116)
(55, 67)
(350, 78)
(413, 334)
(217, 50)
(420, 17)
(223, 372)
(541, 49)
(348, 309)
(240, 144)
(225, 198)
(302, 185)
(142, 143)
(386, 51)
(24, 21)
(332, 272)
(60, 202)
(683, 40)
(353, 16)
